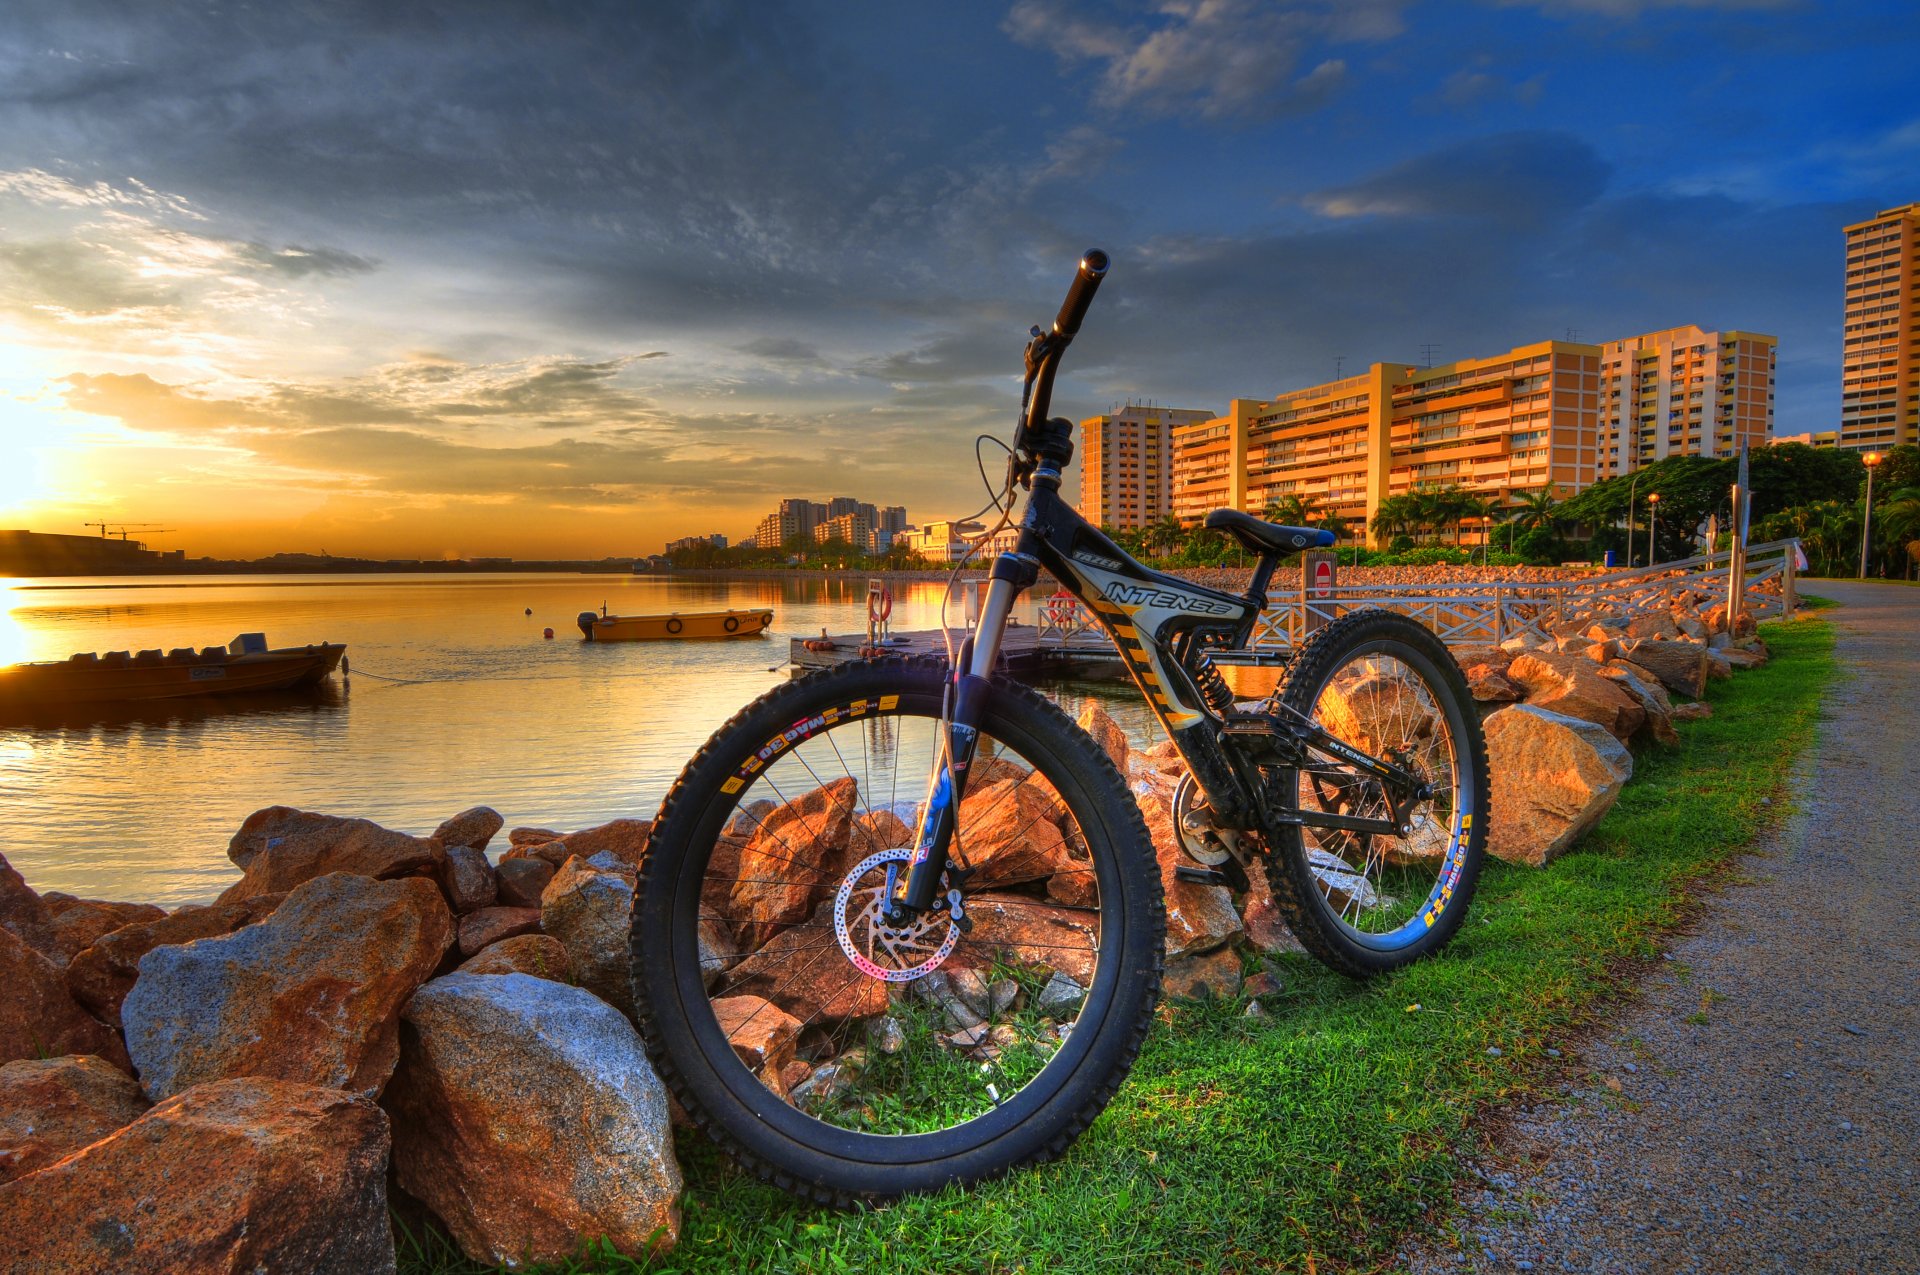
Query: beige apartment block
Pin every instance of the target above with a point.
(1519, 421)
(1880, 345)
(1684, 392)
(1528, 419)
(1126, 476)
(853, 528)
(1813, 438)
(945, 541)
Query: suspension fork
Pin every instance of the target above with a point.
(971, 685)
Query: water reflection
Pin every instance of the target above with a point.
(456, 700)
(328, 696)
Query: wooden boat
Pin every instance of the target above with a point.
(245, 664)
(602, 627)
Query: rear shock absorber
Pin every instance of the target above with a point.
(1213, 687)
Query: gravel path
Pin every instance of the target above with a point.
(1767, 1110)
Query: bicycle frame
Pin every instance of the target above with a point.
(1164, 627)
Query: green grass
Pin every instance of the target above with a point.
(1318, 1137)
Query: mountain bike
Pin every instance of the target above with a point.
(900, 923)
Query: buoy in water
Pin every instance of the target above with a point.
(546, 633)
(529, 610)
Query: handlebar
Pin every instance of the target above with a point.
(1093, 268)
(1043, 358)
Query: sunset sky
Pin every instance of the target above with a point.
(451, 279)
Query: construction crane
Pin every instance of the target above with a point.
(122, 528)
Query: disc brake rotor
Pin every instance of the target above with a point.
(878, 950)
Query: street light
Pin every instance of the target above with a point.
(1486, 540)
(1653, 521)
(1866, 524)
(1631, 488)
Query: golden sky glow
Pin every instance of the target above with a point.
(260, 399)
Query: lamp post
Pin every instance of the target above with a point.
(1653, 521)
(1632, 487)
(1486, 540)
(1866, 523)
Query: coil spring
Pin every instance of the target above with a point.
(1213, 687)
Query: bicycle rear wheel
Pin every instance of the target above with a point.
(842, 1057)
(1365, 903)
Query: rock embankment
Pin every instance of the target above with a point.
(225, 1087)
(234, 1086)
(1560, 710)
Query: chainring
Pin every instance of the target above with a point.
(1212, 847)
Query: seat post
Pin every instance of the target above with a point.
(1262, 576)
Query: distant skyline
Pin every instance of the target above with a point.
(492, 279)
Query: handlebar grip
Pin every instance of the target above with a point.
(1093, 268)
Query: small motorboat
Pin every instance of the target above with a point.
(245, 664)
(602, 627)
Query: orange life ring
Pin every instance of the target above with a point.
(730, 624)
(1060, 607)
(884, 608)
(673, 624)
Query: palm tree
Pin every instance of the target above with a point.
(1443, 507)
(1897, 526)
(1478, 511)
(1536, 509)
(1292, 510)
(1393, 515)
(1164, 535)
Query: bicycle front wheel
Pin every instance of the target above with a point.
(845, 1057)
(1364, 903)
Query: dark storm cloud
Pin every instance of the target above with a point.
(1542, 248)
(706, 148)
(296, 262)
(1515, 178)
(781, 349)
(953, 356)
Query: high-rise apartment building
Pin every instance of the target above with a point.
(854, 528)
(844, 518)
(1530, 418)
(773, 531)
(1683, 392)
(803, 514)
(1126, 475)
(1880, 342)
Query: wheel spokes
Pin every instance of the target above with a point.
(921, 1026)
(1374, 882)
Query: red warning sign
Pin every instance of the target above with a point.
(1322, 578)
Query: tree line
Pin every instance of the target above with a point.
(1817, 494)
(797, 553)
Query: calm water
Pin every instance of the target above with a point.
(559, 733)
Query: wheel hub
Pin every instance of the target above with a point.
(874, 935)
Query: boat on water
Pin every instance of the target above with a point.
(601, 627)
(243, 665)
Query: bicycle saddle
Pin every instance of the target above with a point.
(1267, 537)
